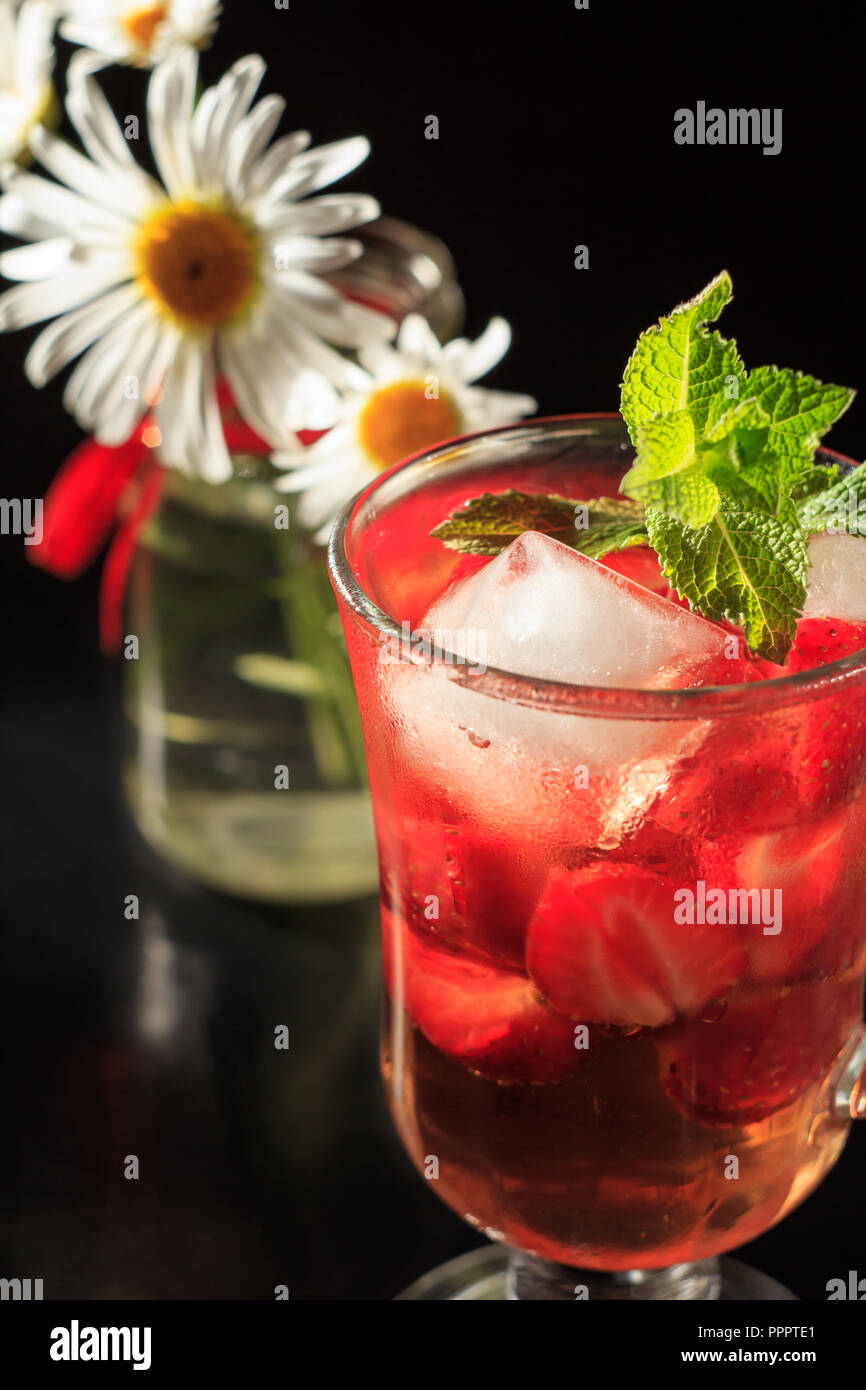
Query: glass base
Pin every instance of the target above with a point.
(494, 1274)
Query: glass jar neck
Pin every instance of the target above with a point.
(404, 270)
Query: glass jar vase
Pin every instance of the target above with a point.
(244, 761)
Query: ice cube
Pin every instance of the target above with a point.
(547, 612)
(837, 578)
(541, 609)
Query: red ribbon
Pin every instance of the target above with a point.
(100, 489)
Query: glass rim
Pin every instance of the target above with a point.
(563, 697)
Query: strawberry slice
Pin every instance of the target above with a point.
(743, 773)
(491, 1020)
(640, 563)
(762, 1054)
(832, 741)
(808, 872)
(467, 887)
(604, 947)
(822, 640)
(832, 751)
(736, 666)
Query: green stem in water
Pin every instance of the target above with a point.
(314, 637)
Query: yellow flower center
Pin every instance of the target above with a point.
(199, 262)
(404, 418)
(142, 23)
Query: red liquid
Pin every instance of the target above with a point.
(596, 1082)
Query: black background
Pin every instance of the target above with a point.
(556, 129)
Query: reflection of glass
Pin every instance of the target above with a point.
(635, 1154)
(245, 761)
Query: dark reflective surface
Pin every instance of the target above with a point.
(155, 1037)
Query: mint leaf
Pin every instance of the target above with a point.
(841, 506)
(487, 524)
(744, 567)
(735, 455)
(744, 424)
(800, 410)
(606, 537)
(680, 365)
(668, 471)
(686, 476)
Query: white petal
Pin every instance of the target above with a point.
(170, 100)
(476, 359)
(488, 408)
(91, 38)
(37, 261)
(323, 535)
(247, 142)
(69, 335)
(311, 403)
(333, 212)
(35, 27)
(218, 113)
(260, 400)
(27, 304)
(275, 163)
(416, 340)
(319, 167)
(320, 308)
(93, 117)
(381, 361)
(17, 220)
(8, 43)
(200, 134)
(313, 253)
(118, 196)
(125, 400)
(265, 363)
(309, 349)
(103, 363)
(214, 462)
(303, 473)
(50, 205)
(327, 163)
(176, 412)
(322, 503)
(188, 415)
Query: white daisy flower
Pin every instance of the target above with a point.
(214, 273)
(26, 65)
(135, 32)
(417, 393)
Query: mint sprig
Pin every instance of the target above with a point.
(725, 467)
(724, 483)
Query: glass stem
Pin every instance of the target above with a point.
(531, 1278)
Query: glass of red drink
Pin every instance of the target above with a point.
(624, 919)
